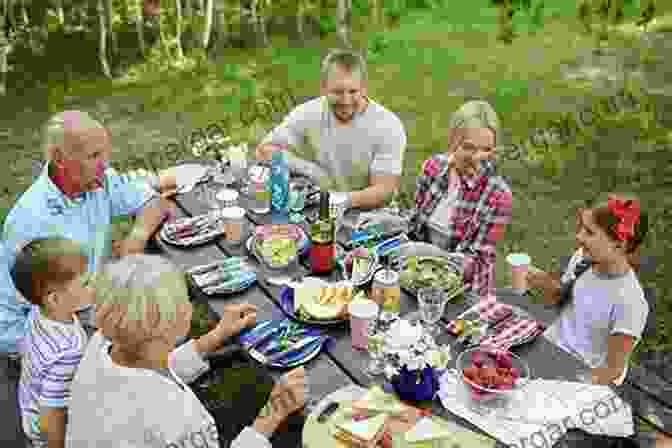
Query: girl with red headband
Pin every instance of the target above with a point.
(605, 315)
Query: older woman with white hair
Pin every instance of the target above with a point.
(75, 197)
(461, 204)
(130, 389)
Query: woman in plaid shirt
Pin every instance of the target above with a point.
(461, 204)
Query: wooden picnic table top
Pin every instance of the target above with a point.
(344, 365)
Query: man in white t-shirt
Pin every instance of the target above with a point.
(356, 142)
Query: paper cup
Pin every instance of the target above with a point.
(519, 267)
(362, 313)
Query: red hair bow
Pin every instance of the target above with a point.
(628, 213)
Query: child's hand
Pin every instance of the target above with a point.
(237, 317)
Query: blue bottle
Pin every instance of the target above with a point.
(280, 185)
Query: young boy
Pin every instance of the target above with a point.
(50, 273)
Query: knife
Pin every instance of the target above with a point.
(293, 348)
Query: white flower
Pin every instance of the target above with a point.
(390, 371)
(415, 363)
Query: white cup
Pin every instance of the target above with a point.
(520, 264)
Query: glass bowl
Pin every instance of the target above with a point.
(271, 232)
(496, 390)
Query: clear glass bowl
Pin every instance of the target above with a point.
(484, 399)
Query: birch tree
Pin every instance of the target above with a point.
(102, 41)
(344, 22)
(140, 26)
(207, 29)
(111, 35)
(4, 46)
(178, 28)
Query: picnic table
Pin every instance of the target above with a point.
(341, 365)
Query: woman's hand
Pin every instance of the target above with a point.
(237, 317)
(287, 397)
(234, 319)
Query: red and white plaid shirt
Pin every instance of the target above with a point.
(480, 216)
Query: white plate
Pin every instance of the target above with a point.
(187, 174)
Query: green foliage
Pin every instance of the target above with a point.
(327, 24)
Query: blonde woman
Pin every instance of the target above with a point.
(462, 205)
(130, 389)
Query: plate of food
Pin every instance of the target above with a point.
(277, 246)
(417, 272)
(318, 302)
(228, 276)
(191, 231)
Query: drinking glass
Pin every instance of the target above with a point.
(297, 198)
(208, 194)
(376, 341)
(238, 168)
(432, 302)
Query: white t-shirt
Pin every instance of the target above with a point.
(375, 138)
(437, 223)
(115, 407)
(602, 305)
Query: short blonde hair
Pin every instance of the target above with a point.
(59, 125)
(138, 282)
(475, 115)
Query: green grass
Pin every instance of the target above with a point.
(423, 70)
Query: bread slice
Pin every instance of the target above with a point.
(376, 400)
(363, 433)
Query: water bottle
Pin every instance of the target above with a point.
(280, 181)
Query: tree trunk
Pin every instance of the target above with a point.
(300, 21)
(259, 23)
(140, 27)
(207, 29)
(375, 9)
(344, 22)
(178, 28)
(4, 48)
(102, 48)
(109, 11)
(60, 13)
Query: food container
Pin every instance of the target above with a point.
(228, 197)
(484, 398)
(386, 291)
(234, 224)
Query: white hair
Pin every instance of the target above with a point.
(69, 121)
(139, 280)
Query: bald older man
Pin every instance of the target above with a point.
(76, 196)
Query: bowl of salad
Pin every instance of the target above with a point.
(278, 246)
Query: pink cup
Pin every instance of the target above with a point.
(520, 264)
(362, 313)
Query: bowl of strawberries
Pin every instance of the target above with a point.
(491, 377)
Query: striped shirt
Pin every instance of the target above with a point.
(53, 352)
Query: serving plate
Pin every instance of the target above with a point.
(287, 304)
(192, 241)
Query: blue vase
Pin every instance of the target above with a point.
(408, 388)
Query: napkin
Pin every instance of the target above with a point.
(544, 410)
(512, 331)
(488, 310)
(402, 334)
